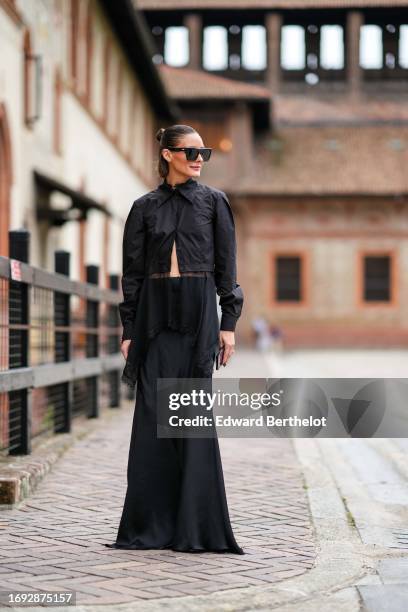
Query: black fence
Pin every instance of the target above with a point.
(59, 347)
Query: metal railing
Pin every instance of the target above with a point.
(59, 347)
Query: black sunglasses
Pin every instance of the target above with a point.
(193, 152)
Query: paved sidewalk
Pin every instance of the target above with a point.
(358, 493)
(55, 539)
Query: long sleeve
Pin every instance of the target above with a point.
(133, 260)
(230, 292)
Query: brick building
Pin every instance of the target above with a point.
(310, 134)
(80, 102)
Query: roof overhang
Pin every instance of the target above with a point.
(80, 203)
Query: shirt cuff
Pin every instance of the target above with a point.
(127, 333)
(228, 322)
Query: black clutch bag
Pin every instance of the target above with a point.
(219, 358)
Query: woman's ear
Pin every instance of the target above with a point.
(166, 154)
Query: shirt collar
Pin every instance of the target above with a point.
(187, 189)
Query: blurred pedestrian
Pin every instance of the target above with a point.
(262, 334)
(276, 337)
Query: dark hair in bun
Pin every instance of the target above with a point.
(170, 137)
(159, 134)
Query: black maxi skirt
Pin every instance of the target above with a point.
(175, 496)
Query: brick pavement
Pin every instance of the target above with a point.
(55, 539)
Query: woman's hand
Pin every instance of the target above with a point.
(227, 340)
(124, 348)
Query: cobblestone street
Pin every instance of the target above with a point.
(55, 540)
(323, 522)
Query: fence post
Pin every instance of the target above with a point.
(62, 317)
(114, 345)
(20, 409)
(92, 341)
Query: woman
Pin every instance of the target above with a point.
(179, 250)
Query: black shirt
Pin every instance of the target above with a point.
(199, 218)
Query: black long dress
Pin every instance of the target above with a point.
(175, 494)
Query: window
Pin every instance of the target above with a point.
(133, 132)
(112, 94)
(403, 46)
(106, 70)
(57, 112)
(119, 99)
(88, 53)
(293, 49)
(74, 38)
(254, 47)
(312, 52)
(331, 47)
(81, 47)
(377, 278)
(288, 278)
(176, 46)
(384, 51)
(33, 83)
(371, 47)
(29, 81)
(215, 48)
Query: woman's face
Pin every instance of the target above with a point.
(177, 159)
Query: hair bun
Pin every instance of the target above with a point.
(160, 133)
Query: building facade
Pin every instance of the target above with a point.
(318, 183)
(80, 102)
